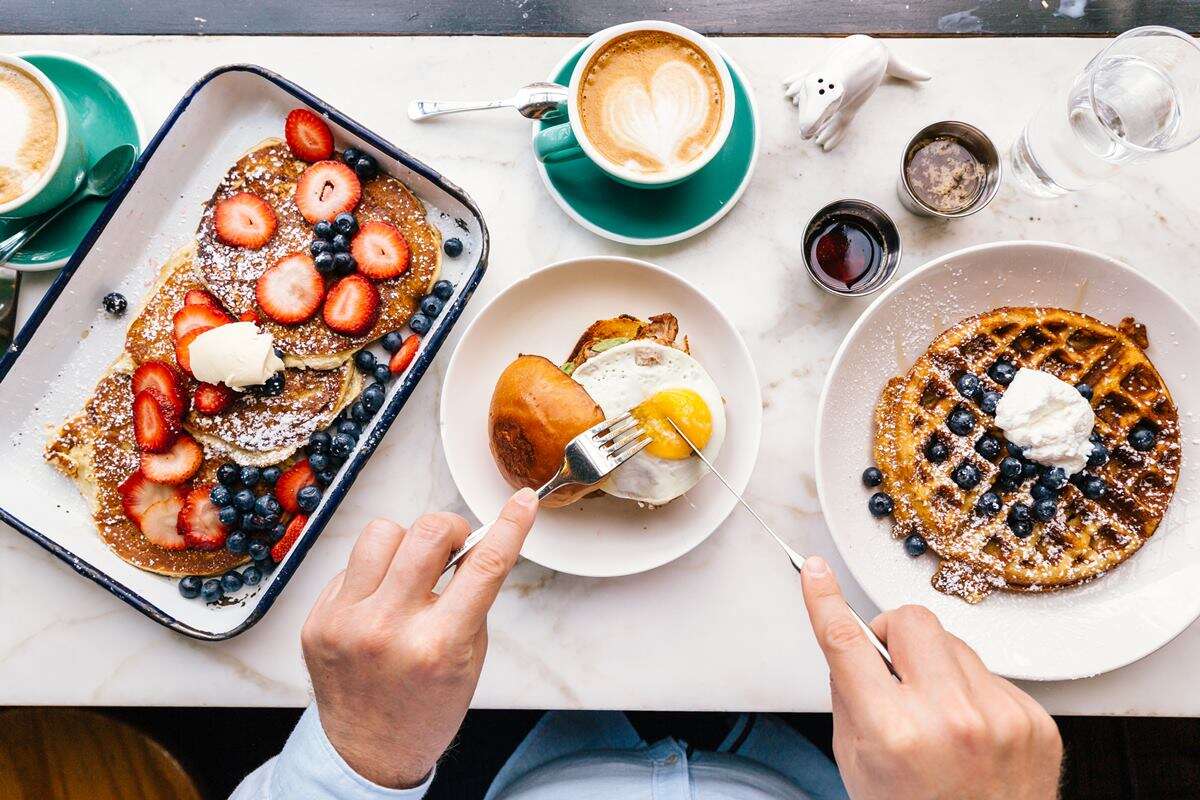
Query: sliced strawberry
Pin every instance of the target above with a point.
(244, 220)
(200, 297)
(295, 478)
(294, 529)
(352, 306)
(211, 399)
(176, 465)
(198, 521)
(249, 315)
(380, 250)
(160, 523)
(291, 289)
(138, 493)
(197, 315)
(156, 425)
(182, 356)
(163, 377)
(326, 189)
(404, 356)
(308, 135)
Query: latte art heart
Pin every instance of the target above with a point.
(660, 122)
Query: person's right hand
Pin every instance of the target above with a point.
(947, 728)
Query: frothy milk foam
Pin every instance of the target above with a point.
(650, 101)
(28, 133)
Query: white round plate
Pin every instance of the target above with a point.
(544, 314)
(1079, 632)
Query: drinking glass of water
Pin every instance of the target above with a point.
(1138, 98)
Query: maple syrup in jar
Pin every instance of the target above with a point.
(844, 253)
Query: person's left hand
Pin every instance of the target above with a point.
(393, 665)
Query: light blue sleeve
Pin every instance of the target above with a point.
(309, 768)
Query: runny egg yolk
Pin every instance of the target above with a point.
(690, 413)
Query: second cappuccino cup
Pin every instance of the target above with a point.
(649, 103)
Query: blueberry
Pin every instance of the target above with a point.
(270, 475)
(968, 386)
(326, 476)
(323, 230)
(1093, 488)
(220, 495)
(988, 446)
(211, 590)
(453, 247)
(443, 290)
(249, 476)
(365, 167)
(227, 474)
(343, 262)
(966, 475)
(266, 564)
(1141, 438)
(1095, 437)
(318, 442)
(277, 532)
(318, 461)
(1021, 529)
(1014, 450)
(259, 549)
(349, 427)
(364, 360)
(914, 545)
(274, 385)
(251, 575)
(231, 581)
(872, 476)
(228, 516)
(1010, 467)
(350, 155)
(1084, 390)
(880, 504)
(420, 324)
(1040, 492)
(1099, 455)
(988, 401)
(236, 542)
(342, 445)
(360, 413)
(115, 303)
(372, 397)
(961, 421)
(189, 587)
(936, 451)
(1044, 510)
(251, 522)
(1019, 516)
(1028, 469)
(382, 373)
(1054, 479)
(988, 504)
(431, 306)
(308, 498)
(345, 224)
(1002, 372)
(393, 340)
(1008, 484)
(266, 505)
(243, 500)
(339, 244)
(324, 263)
(318, 246)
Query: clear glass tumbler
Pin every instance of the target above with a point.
(1138, 98)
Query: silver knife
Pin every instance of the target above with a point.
(10, 285)
(796, 559)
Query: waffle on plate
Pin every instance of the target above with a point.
(919, 454)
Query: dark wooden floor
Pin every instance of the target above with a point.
(1108, 758)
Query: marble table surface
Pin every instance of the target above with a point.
(724, 627)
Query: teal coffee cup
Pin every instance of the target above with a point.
(42, 153)
(655, 110)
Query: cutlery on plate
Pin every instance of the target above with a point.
(587, 460)
(101, 180)
(10, 288)
(533, 101)
(796, 559)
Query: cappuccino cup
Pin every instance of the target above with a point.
(42, 155)
(649, 103)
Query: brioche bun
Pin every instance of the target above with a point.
(536, 410)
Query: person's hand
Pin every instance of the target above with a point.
(947, 729)
(393, 665)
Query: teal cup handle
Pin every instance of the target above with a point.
(557, 144)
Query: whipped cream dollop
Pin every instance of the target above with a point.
(237, 355)
(1048, 418)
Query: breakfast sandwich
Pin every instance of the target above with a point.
(619, 364)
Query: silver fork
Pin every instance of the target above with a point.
(587, 460)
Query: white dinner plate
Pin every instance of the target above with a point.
(544, 314)
(1079, 632)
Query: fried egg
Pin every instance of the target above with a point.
(655, 381)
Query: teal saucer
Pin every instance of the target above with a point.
(107, 120)
(656, 216)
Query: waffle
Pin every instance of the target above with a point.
(1086, 538)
